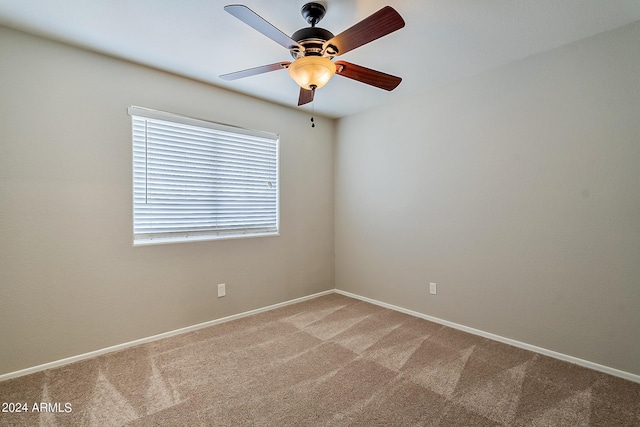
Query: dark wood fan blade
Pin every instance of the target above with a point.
(258, 23)
(367, 75)
(306, 96)
(256, 70)
(381, 23)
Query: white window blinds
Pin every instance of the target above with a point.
(195, 180)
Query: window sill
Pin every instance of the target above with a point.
(198, 238)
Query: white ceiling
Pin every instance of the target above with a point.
(443, 40)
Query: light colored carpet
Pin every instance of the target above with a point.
(330, 361)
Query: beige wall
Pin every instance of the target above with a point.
(517, 191)
(70, 280)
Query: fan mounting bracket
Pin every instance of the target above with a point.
(313, 13)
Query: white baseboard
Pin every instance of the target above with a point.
(168, 334)
(585, 363)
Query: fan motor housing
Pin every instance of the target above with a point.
(313, 39)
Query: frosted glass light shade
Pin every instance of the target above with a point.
(312, 71)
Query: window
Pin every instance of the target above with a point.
(197, 180)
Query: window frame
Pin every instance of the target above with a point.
(219, 131)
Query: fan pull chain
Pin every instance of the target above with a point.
(313, 105)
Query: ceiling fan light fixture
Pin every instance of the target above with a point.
(313, 48)
(312, 72)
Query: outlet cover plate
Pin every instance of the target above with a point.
(222, 291)
(432, 288)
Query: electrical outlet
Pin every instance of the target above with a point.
(222, 291)
(432, 288)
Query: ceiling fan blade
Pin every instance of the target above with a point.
(306, 96)
(381, 23)
(367, 75)
(258, 23)
(256, 70)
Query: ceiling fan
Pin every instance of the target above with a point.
(314, 48)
